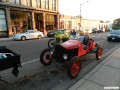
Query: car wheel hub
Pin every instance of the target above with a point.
(75, 68)
(47, 57)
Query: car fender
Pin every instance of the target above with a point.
(94, 44)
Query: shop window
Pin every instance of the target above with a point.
(2, 21)
(21, 21)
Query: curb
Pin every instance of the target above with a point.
(10, 39)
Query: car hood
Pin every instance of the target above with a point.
(70, 44)
(114, 34)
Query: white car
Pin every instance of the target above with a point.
(30, 34)
(88, 31)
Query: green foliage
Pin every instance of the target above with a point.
(116, 24)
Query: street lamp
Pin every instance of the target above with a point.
(80, 12)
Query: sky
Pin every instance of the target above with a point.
(93, 9)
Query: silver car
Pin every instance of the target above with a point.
(30, 34)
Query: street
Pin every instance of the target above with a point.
(35, 76)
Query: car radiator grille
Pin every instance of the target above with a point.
(59, 51)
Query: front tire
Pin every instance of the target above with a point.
(74, 67)
(51, 43)
(23, 38)
(46, 57)
(99, 51)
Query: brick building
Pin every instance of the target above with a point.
(21, 15)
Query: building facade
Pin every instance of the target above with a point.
(65, 22)
(88, 24)
(18, 16)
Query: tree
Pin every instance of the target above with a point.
(116, 24)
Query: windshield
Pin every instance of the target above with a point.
(115, 32)
(76, 37)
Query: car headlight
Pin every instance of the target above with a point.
(65, 56)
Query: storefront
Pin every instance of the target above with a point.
(3, 24)
(21, 21)
(50, 21)
(38, 17)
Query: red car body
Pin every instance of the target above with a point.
(68, 53)
(71, 44)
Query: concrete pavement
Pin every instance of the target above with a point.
(106, 76)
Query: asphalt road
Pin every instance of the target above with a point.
(34, 76)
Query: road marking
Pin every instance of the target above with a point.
(101, 41)
(30, 61)
(104, 37)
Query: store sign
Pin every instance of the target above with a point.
(3, 26)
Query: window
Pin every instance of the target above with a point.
(53, 4)
(38, 3)
(26, 2)
(46, 4)
(15, 1)
(2, 21)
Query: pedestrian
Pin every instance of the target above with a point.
(14, 30)
(73, 32)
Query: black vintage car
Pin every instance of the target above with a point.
(52, 33)
(114, 35)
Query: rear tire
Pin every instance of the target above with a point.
(39, 36)
(99, 51)
(46, 57)
(74, 67)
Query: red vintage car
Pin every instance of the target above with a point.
(69, 54)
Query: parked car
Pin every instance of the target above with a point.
(94, 30)
(52, 33)
(114, 35)
(68, 54)
(88, 31)
(30, 34)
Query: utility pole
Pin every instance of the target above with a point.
(80, 13)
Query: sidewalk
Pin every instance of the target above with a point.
(6, 39)
(106, 76)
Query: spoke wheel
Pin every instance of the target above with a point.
(74, 67)
(51, 43)
(46, 57)
(99, 52)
